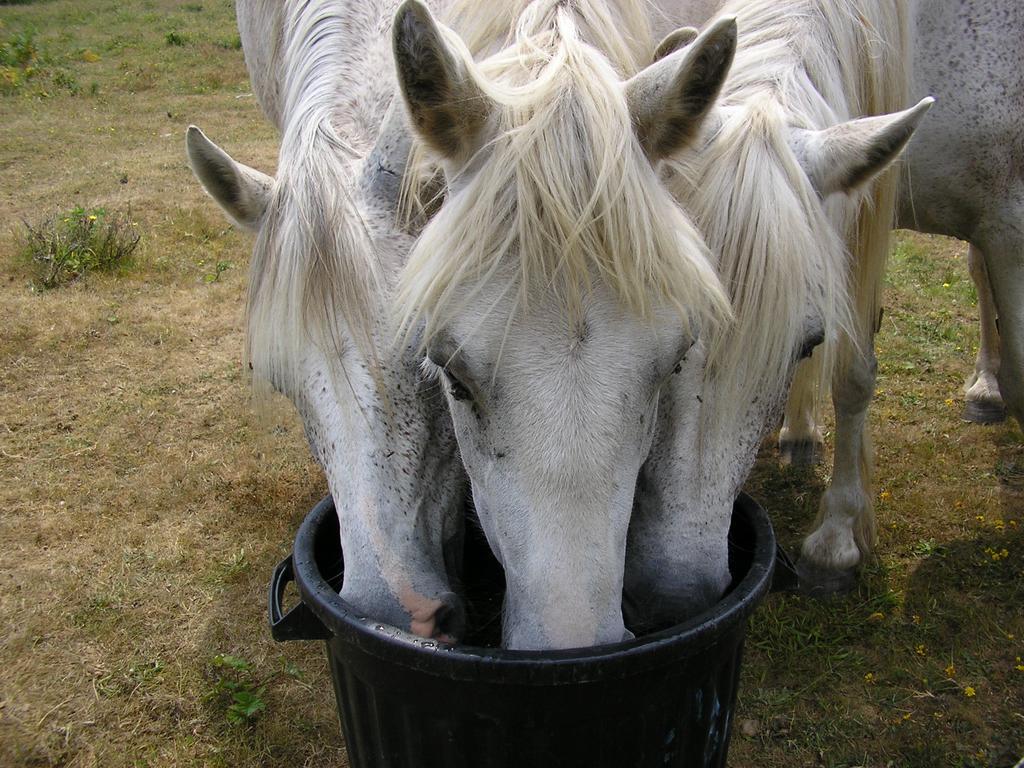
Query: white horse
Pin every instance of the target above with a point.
(560, 287)
(318, 320)
(783, 183)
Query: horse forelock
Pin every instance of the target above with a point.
(560, 196)
(315, 277)
(780, 258)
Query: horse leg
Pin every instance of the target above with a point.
(844, 532)
(984, 403)
(800, 440)
(1003, 247)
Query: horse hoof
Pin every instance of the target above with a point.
(800, 453)
(815, 581)
(984, 412)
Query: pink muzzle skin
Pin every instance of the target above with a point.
(441, 618)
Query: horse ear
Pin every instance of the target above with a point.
(669, 99)
(447, 106)
(674, 41)
(242, 192)
(844, 156)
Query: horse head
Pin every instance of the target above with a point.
(327, 247)
(776, 182)
(559, 288)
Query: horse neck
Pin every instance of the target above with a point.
(620, 29)
(319, 271)
(824, 60)
(261, 31)
(334, 63)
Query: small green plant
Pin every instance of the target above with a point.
(67, 246)
(926, 548)
(229, 570)
(230, 43)
(218, 269)
(173, 38)
(64, 79)
(235, 689)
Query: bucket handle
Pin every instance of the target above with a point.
(300, 623)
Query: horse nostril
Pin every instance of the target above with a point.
(450, 619)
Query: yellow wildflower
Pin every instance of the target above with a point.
(969, 692)
(950, 670)
(980, 518)
(885, 495)
(949, 402)
(876, 616)
(869, 677)
(916, 619)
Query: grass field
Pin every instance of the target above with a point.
(143, 505)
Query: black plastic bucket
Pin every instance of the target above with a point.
(664, 699)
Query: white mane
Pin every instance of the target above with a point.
(810, 65)
(313, 267)
(563, 194)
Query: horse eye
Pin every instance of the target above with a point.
(458, 390)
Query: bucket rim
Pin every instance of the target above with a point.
(564, 666)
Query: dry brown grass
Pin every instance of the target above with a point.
(142, 506)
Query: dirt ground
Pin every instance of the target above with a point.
(143, 505)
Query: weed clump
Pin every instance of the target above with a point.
(23, 58)
(236, 691)
(67, 246)
(19, 60)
